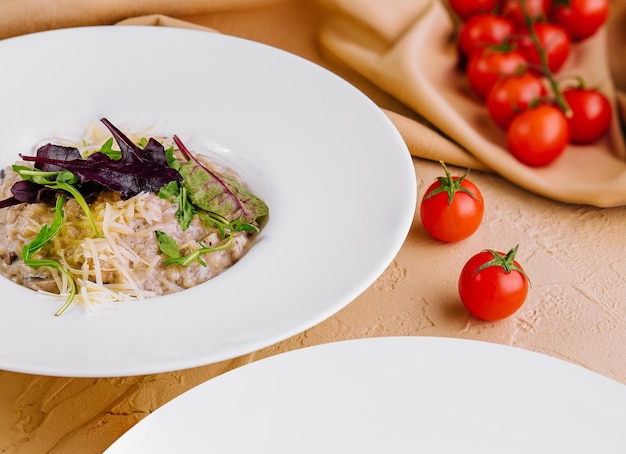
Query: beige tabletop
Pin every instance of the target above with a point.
(574, 254)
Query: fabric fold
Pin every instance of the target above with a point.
(160, 20)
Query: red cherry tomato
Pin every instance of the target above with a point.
(452, 208)
(486, 66)
(537, 136)
(536, 10)
(591, 114)
(492, 285)
(555, 42)
(483, 30)
(513, 94)
(581, 18)
(467, 8)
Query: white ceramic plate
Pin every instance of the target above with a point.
(392, 395)
(335, 173)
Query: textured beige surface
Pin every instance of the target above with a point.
(574, 254)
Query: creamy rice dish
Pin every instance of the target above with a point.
(184, 221)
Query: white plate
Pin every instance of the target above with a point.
(392, 395)
(335, 173)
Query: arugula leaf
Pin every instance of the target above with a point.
(47, 232)
(212, 219)
(45, 235)
(62, 180)
(81, 202)
(107, 149)
(168, 246)
(171, 159)
(178, 195)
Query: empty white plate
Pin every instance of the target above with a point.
(393, 395)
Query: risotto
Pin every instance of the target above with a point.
(118, 247)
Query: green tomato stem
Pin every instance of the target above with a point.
(450, 186)
(506, 262)
(545, 68)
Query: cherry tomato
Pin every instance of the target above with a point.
(536, 9)
(591, 114)
(483, 30)
(513, 94)
(581, 18)
(537, 136)
(486, 66)
(452, 208)
(492, 285)
(467, 8)
(555, 42)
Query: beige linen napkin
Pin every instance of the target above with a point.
(405, 48)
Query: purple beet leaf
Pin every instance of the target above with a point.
(138, 170)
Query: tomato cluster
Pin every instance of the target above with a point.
(513, 52)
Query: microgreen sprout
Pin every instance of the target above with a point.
(63, 180)
(45, 235)
(168, 246)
